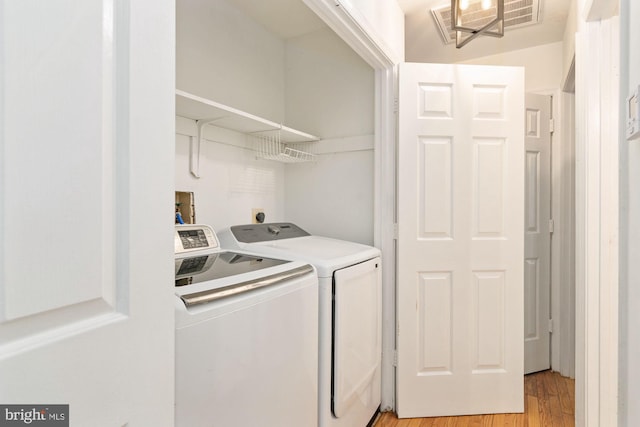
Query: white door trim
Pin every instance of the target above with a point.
(384, 219)
(597, 76)
(563, 301)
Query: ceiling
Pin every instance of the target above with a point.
(423, 42)
(284, 18)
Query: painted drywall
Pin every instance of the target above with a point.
(341, 205)
(233, 180)
(629, 303)
(329, 89)
(330, 93)
(543, 65)
(569, 40)
(384, 20)
(223, 55)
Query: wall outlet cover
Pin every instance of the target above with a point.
(254, 213)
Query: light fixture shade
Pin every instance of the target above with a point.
(494, 28)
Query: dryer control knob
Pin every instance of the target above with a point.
(273, 229)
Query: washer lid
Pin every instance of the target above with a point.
(215, 265)
(253, 233)
(325, 253)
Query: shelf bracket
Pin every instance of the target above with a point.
(196, 143)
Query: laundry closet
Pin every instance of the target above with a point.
(273, 62)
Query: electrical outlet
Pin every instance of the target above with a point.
(255, 215)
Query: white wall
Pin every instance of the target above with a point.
(569, 40)
(329, 89)
(333, 197)
(629, 303)
(543, 65)
(232, 180)
(384, 20)
(221, 54)
(330, 94)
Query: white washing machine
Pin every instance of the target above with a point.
(246, 336)
(350, 314)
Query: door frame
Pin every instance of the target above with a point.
(596, 228)
(597, 210)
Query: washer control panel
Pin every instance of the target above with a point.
(252, 233)
(189, 238)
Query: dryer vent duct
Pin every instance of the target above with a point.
(517, 13)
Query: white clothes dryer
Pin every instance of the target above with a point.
(349, 315)
(246, 336)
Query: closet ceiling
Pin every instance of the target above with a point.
(284, 18)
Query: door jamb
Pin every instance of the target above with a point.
(563, 334)
(597, 208)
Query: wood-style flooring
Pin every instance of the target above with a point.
(549, 402)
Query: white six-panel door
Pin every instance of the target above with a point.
(537, 252)
(460, 240)
(86, 195)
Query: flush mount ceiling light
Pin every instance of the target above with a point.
(465, 13)
(517, 14)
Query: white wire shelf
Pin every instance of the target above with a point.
(271, 147)
(207, 112)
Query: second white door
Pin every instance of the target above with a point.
(537, 232)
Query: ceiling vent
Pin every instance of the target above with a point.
(517, 13)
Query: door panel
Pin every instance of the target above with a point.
(357, 346)
(86, 100)
(537, 257)
(460, 242)
(44, 191)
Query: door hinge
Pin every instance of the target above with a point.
(395, 231)
(395, 358)
(552, 125)
(552, 226)
(551, 325)
(395, 106)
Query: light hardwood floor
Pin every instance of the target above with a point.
(549, 402)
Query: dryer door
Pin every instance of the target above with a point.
(357, 337)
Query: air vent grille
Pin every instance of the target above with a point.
(517, 13)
